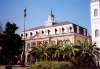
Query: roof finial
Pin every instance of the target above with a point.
(51, 11)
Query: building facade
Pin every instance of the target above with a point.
(95, 21)
(53, 31)
(95, 24)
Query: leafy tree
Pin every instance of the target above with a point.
(11, 43)
(81, 54)
(86, 54)
(54, 50)
(1, 29)
(39, 51)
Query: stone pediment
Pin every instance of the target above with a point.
(39, 35)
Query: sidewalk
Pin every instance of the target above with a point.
(15, 66)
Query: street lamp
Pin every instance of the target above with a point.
(23, 57)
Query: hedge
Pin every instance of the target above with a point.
(51, 65)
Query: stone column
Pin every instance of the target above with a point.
(25, 58)
(25, 46)
(74, 38)
(30, 45)
(21, 56)
(36, 43)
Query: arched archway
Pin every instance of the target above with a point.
(78, 41)
(33, 43)
(28, 58)
(59, 42)
(39, 42)
(68, 42)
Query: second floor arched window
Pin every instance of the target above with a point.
(96, 33)
(95, 12)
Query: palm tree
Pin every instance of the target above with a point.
(70, 51)
(39, 51)
(87, 52)
(59, 49)
(54, 50)
(50, 50)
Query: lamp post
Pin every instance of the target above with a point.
(23, 56)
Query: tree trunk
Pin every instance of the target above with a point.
(10, 61)
(57, 58)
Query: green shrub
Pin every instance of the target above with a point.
(51, 65)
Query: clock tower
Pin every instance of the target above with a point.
(95, 21)
(95, 25)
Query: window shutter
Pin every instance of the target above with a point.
(67, 29)
(46, 32)
(78, 29)
(87, 33)
(59, 30)
(84, 32)
(54, 30)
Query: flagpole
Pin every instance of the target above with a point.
(23, 57)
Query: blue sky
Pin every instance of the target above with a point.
(75, 11)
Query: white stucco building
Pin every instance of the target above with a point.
(95, 24)
(53, 31)
(95, 21)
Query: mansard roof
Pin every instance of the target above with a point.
(60, 24)
(57, 24)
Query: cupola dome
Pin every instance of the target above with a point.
(51, 15)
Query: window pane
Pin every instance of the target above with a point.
(95, 12)
(68, 42)
(96, 33)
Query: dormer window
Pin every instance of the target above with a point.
(77, 29)
(31, 34)
(36, 32)
(84, 31)
(48, 32)
(26, 35)
(56, 31)
(21, 35)
(87, 33)
(42, 32)
(67, 29)
(95, 12)
(63, 30)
